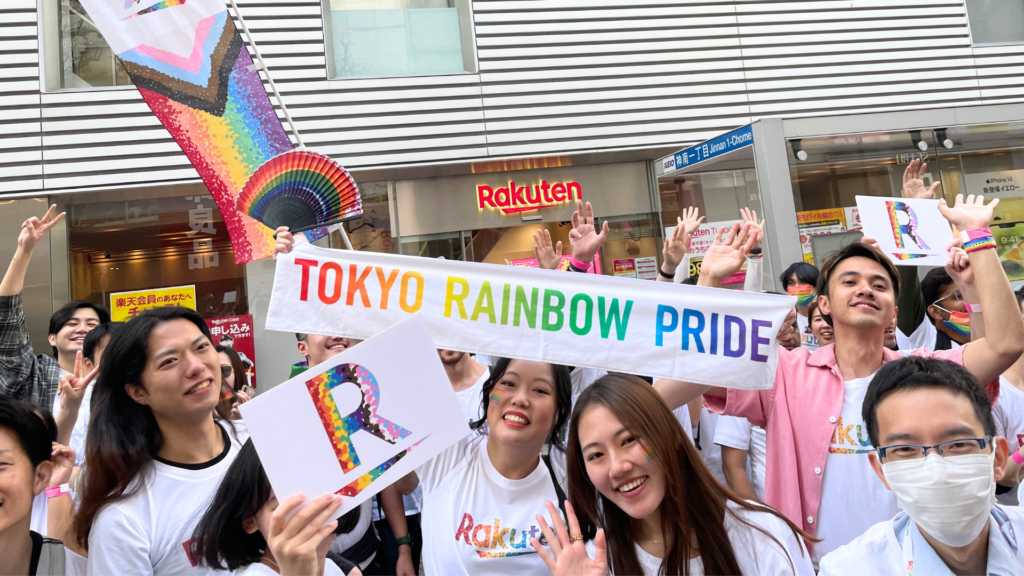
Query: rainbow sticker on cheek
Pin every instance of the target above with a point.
(497, 395)
(648, 450)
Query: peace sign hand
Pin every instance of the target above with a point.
(568, 554)
(72, 386)
(583, 238)
(33, 229)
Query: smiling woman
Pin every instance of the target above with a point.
(636, 475)
(481, 496)
(154, 452)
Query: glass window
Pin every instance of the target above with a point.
(377, 38)
(86, 60)
(996, 21)
(372, 232)
(155, 243)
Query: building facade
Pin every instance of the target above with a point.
(436, 106)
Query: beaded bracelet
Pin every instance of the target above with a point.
(977, 239)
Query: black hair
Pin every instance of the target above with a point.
(691, 280)
(563, 399)
(64, 314)
(33, 437)
(123, 434)
(917, 372)
(301, 337)
(933, 283)
(805, 273)
(219, 540)
(47, 418)
(1020, 296)
(95, 337)
(855, 250)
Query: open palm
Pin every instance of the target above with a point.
(725, 257)
(969, 213)
(569, 557)
(913, 181)
(583, 238)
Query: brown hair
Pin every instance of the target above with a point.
(855, 250)
(695, 504)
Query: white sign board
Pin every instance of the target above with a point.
(358, 422)
(910, 231)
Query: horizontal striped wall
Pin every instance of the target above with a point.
(555, 77)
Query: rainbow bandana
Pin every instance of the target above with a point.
(804, 294)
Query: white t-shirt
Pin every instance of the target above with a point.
(1009, 416)
(81, 424)
(756, 553)
(149, 532)
(739, 433)
(260, 569)
(704, 438)
(40, 508)
(807, 339)
(471, 398)
(476, 521)
(683, 415)
(852, 498)
(923, 337)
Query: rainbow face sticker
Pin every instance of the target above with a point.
(497, 395)
(804, 294)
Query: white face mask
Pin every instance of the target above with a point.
(949, 498)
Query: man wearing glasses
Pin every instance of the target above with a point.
(936, 449)
(938, 315)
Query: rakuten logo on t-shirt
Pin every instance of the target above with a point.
(494, 541)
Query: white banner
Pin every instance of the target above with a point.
(691, 333)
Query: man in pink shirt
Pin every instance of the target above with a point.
(817, 468)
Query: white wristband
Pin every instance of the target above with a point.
(973, 308)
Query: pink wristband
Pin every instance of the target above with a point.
(973, 308)
(581, 265)
(975, 233)
(1017, 457)
(55, 491)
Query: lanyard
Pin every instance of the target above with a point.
(908, 550)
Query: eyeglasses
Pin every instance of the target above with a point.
(955, 295)
(962, 447)
(225, 370)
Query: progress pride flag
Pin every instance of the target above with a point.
(692, 333)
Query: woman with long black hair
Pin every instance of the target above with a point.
(481, 496)
(245, 530)
(649, 505)
(154, 452)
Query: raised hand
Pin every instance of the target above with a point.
(913, 181)
(568, 555)
(63, 459)
(725, 257)
(240, 398)
(72, 386)
(970, 213)
(689, 220)
(958, 266)
(583, 238)
(757, 228)
(677, 246)
(33, 229)
(548, 256)
(283, 241)
(294, 541)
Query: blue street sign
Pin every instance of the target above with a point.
(739, 138)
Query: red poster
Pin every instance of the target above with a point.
(236, 332)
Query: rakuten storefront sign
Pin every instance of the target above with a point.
(523, 197)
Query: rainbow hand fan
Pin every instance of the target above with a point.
(301, 190)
